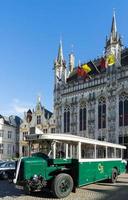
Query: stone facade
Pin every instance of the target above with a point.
(9, 137)
(37, 121)
(94, 107)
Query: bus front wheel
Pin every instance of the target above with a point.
(27, 189)
(114, 176)
(62, 185)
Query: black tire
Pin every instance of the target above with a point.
(62, 185)
(114, 176)
(27, 190)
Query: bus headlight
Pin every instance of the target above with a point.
(35, 178)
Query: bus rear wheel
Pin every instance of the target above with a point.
(62, 185)
(114, 176)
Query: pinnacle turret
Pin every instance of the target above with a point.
(71, 62)
(38, 104)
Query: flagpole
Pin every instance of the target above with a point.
(95, 67)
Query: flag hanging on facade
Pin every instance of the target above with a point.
(110, 60)
(86, 68)
(93, 67)
(102, 63)
(81, 72)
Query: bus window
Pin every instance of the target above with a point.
(100, 151)
(118, 153)
(111, 152)
(65, 150)
(60, 150)
(87, 151)
(69, 151)
(74, 151)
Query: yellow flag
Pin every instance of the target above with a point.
(110, 60)
(86, 68)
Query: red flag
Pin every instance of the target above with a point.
(81, 72)
(102, 63)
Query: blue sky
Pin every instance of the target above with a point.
(30, 31)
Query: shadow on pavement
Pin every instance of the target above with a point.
(43, 194)
(8, 190)
(111, 191)
(117, 191)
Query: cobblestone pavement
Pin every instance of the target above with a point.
(98, 191)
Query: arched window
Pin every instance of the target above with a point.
(123, 110)
(102, 113)
(66, 119)
(82, 117)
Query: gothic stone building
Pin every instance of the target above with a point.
(96, 107)
(39, 120)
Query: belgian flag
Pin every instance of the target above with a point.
(93, 67)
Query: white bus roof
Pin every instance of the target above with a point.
(72, 138)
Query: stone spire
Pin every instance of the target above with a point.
(38, 104)
(60, 57)
(113, 34)
(113, 42)
(60, 72)
(60, 67)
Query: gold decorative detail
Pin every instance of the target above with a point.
(100, 168)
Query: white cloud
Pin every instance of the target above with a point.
(19, 109)
(16, 107)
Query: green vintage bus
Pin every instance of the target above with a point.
(64, 162)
